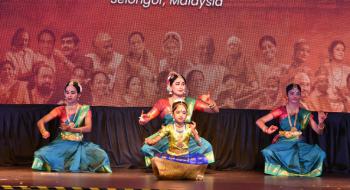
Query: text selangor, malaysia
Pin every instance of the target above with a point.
(182, 3)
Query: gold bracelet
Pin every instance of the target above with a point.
(42, 130)
(81, 130)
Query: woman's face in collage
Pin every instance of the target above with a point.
(268, 50)
(302, 53)
(172, 48)
(339, 52)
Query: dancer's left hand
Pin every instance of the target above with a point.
(271, 129)
(322, 116)
(65, 127)
(205, 98)
(193, 125)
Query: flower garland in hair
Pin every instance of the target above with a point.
(72, 83)
(179, 100)
(295, 86)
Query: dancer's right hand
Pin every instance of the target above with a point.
(149, 141)
(143, 119)
(45, 134)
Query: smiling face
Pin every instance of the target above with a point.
(68, 46)
(178, 87)
(338, 52)
(180, 113)
(71, 94)
(302, 53)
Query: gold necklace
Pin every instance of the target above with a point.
(181, 127)
(292, 127)
(180, 135)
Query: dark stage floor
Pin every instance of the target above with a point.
(140, 179)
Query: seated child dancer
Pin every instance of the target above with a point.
(178, 162)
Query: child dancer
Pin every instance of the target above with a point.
(178, 162)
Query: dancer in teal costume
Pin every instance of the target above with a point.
(289, 155)
(68, 152)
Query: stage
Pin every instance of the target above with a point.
(237, 144)
(142, 179)
(237, 141)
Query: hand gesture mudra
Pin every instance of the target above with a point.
(193, 125)
(143, 119)
(322, 116)
(45, 134)
(205, 98)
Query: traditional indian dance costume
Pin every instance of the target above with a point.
(290, 155)
(68, 152)
(177, 162)
(163, 108)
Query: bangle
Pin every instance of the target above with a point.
(81, 130)
(42, 130)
